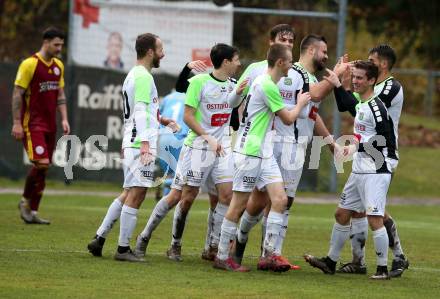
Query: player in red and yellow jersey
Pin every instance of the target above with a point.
(38, 94)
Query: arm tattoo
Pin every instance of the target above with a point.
(61, 101)
(17, 98)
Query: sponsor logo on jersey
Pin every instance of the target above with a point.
(249, 179)
(219, 119)
(220, 106)
(286, 94)
(147, 174)
(194, 174)
(48, 85)
(287, 81)
(360, 127)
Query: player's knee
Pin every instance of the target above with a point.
(342, 216)
(225, 197)
(279, 203)
(375, 222)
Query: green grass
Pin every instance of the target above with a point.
(51, 261)
(413, 120)
(60, 185)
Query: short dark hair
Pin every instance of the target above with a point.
(221, 52)
(145, 42)
(281, 29)
(275, 52)
(310, 40)
(371, 70)
(53, 32)
(385, 52)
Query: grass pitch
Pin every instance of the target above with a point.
(52, 262)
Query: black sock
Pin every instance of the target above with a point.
(123, 249)
(101, 240)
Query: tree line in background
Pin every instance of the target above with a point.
(410, 26)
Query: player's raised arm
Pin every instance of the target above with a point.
(345, 100)
(182, 81)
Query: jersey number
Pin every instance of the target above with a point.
(126, 106)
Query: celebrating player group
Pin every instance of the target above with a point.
(252, 174)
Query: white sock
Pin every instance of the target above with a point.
(159, 212)
(127, 225)
(358, 236)
(273, 229)
(179, 221)
(283, 231)
(209, 229)
(380, 238)
(228, 231)
(340, 234)
(219, 214)
(263, 234)
(113, 214)
(247, 222)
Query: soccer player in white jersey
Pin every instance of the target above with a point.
(374, 160)
(255, 165)
(389, 90)
(289, 148)
(139, 144)
(113, 213)
(169, 201)
(210, 99)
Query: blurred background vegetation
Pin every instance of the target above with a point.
(410, 27)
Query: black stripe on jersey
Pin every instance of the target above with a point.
(133, 132)
(390, 90)
(234, 122)
(304, 76)
(305, 88)
(233, 80)
(383, 128)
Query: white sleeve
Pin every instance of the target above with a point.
(234, 99)
(140, 118)
(305, 111)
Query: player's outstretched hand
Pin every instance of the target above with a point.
(342, 66)
(174, 126)
(303, 98)
(17, 131)
(198, 66)
(146, 156)
(66, 127)
(242, 86)
(332, 78)
(345, 153)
